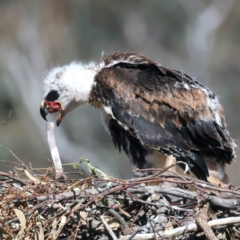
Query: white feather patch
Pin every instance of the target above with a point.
(108, 111)
(72, 82)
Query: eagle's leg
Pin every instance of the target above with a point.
(157, 161)
(217, 175)
(216, 181)
(171, 160)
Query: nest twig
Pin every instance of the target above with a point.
(6, 121)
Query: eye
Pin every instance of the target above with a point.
(52, 96)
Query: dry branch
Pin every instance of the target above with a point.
(6, 121)
(201, 218)
(108, 228)
(183, 230)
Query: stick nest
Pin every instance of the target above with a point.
(37, 206)
(48, 204)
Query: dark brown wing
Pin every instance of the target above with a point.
(166, 111)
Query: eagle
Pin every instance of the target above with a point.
(149, 111)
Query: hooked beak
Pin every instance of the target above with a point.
(51, 107)
(43, 111)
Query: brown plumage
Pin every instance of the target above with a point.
(149, 108)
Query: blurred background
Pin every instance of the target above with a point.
(200, 37)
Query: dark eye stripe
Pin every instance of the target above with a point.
(52, 96)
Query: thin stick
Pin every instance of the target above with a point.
(181, 230)
(12, 163)
(54, 151)
(6, 121)
(7, 175)
(13, 154)
(49, 161)
(119, 218)
(110, 231)
(134, 234)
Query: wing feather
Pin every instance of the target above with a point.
(163, 109)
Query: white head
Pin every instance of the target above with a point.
(66, 88)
